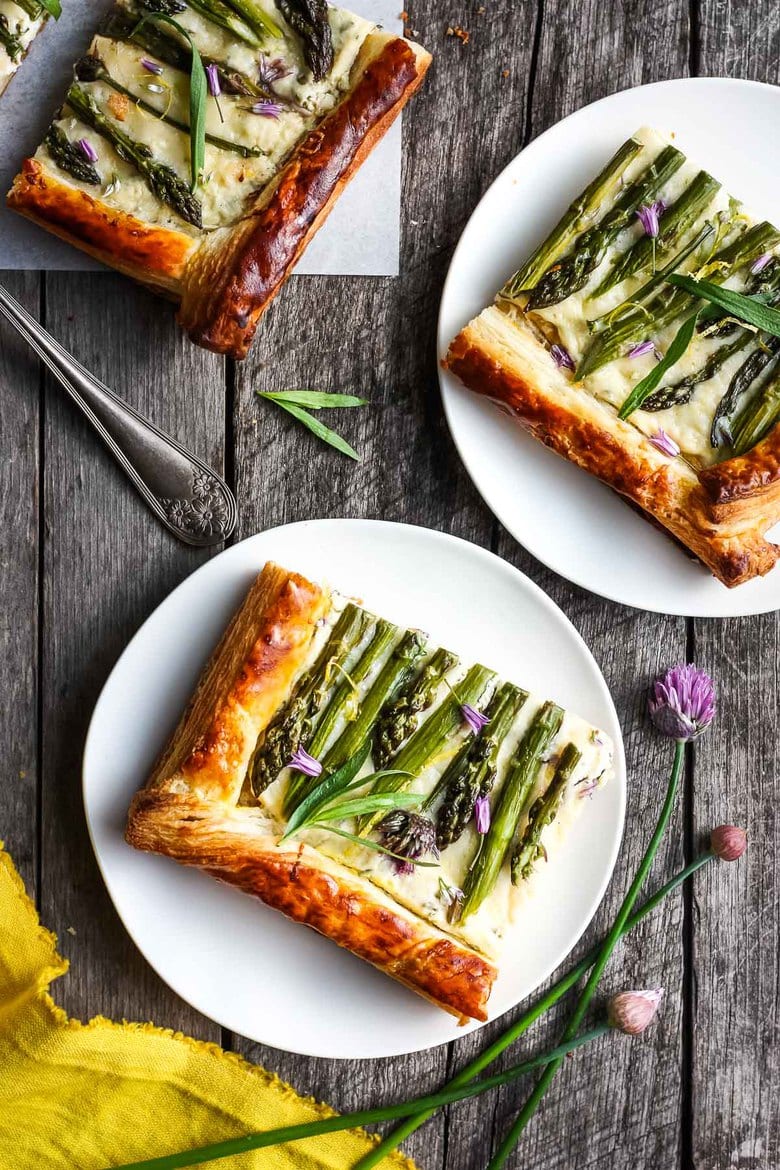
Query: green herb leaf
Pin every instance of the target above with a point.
(377, 848)
(313, 399)
(750, 309)
(342, 810)
(319, 429)
(53, 7)
(645, 388)
(327, 788)
(198, 96)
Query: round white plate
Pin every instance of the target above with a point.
(566, 518)
(231, 957)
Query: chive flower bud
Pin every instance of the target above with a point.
(409, 835)
(640, 350)
(682, 702)
(562, 358)
(152, 66)
(665, 443)
(266, 109)
(728, 842)
(649, 216)
(212, 76)
(88, 150)
(475, 719)
(482, 814)
(303, 762)
(632, 1011)
(760, 264)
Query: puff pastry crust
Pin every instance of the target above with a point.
(189, 811)
(224, 279)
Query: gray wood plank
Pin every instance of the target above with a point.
(616, 1106)
(106, 564)
(735, 1061)
(377, 337)
(20, 388)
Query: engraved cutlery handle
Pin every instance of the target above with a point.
(190, 499)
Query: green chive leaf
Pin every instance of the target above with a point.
(313, 399)
(327, 788)
(319, 429)
(645, 388)
(749, 309)
(53, 7)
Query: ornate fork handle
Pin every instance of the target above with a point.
(190, 499)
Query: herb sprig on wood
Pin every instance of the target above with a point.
(299, 403)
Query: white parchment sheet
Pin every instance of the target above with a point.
(361, 237)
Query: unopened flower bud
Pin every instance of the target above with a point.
(728, 842)
(632, 1011)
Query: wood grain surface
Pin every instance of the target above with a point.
(84, 565)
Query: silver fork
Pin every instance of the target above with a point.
(190, 499)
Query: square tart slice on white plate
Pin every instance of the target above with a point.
(588, 316)
(305, 93)
(425, 795)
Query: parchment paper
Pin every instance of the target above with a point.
(361, 237)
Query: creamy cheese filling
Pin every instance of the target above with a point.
(688, 423)
(232, 180)
(427, 891)
(25, 29)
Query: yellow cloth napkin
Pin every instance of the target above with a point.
(89, 1096)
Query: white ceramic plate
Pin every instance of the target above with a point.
(229, 956)
(567, 519)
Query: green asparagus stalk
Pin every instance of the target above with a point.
(91, 68)
(676, 222)
(757, 417)
(168, 48)
(9, 40)
(343, 704)
(571, 274)
(657, 280)
(258, 20)
(161, 179)
(543, 812)
(570, 225)
(477, 774)
(667, 307)
(401, 718)
(216, 11)
(31, 7)
(69, 158)
(681, 392)
(390, 679)
(431, 739)
(292, 725)
(750, 370)
(512, 800)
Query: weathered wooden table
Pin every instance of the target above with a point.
(83, 565)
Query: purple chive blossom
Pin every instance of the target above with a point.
(266, 109)
(303, 762)
(760, 264)
(270, 71)
(682, 702)
(482, 814)
(649, 216)
(152, 66)
(475, 719)
(641, 349)
(409, 836)
(212, 76)
(665, 443)
(88, 150)
(562, 358)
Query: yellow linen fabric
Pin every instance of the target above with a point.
(89, 1096)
